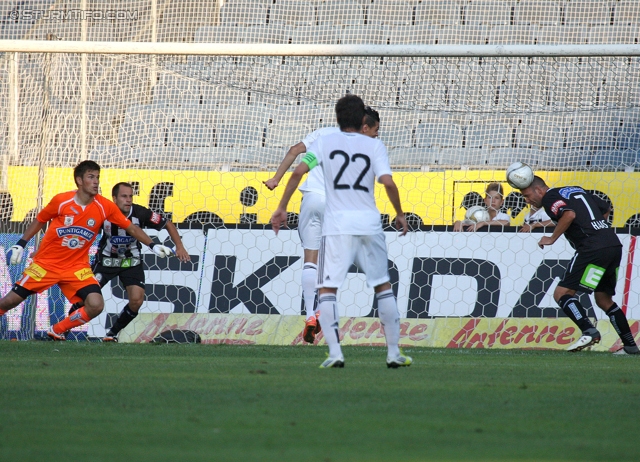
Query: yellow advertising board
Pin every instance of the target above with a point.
(433, 196)
(497, 333)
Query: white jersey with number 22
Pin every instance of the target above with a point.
(350, 162)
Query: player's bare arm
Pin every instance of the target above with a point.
(289, 159)
(181, 252)
(394, 197)
(563, 224)
(279, 217)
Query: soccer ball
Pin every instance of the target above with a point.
(519, 175)
(477, 213)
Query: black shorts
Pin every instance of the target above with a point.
(130, 276)
(593, 271)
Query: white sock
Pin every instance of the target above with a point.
(329, 320)
(309, 280)
(388, 313)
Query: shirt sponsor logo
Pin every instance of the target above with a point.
(36, 271)
(566, 192)
(155, 218)
(556, 206)
(91, 222)
(73, 242)
(84, 274)
(122, 240)
(68, 220)
(75, 231)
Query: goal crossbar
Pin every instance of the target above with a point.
(262, 49)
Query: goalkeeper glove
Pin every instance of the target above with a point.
(161, 250)
(16, 252)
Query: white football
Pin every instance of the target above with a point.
(477, 213)
(520, 175)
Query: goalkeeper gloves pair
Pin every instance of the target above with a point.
(16, 252)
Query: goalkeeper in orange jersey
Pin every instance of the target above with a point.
(119, 255)
(75, 219)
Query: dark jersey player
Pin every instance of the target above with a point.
(582, 218)
(119, 254)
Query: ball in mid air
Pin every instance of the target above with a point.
(520, 175)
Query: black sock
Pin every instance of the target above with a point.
(74, 307)
(575, 311)
(621, 325)
(125, 317)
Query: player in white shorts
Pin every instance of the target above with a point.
(352, 230)
(312, 212)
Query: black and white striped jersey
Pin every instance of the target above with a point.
(116, 243)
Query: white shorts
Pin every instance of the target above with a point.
(339, 252)
(310, 220)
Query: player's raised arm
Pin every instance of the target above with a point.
(279, 217)
(394, 197)
(289, 158)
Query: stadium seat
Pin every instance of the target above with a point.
(555, 35)
(418, 34)
(486, 13)
(613, 160)
(411, 158)
(626, 12)
(587, 12)
(216, 34)
(488, 134)
(293, 13)
(438, 135)
(542, 132)
(512, 35)
(439, 12)
(271, 33)
(327, 34)
(622, 34)
(191, 134)
(461, 35)
(340, 13)
(243, 13)
(173, 89)
(503, 157)
(363, 34)
(390, 13)
(537, 12)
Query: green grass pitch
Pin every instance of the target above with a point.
(132, 402)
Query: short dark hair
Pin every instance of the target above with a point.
(83, 167)
(537, 183)
(350, 112)
(371, 116)
(116, 188)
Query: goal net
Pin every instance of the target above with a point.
(197, 134)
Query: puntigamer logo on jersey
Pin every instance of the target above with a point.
(75, 231)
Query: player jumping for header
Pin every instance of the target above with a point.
(63, 256)
(582, 218)
(351, 230)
